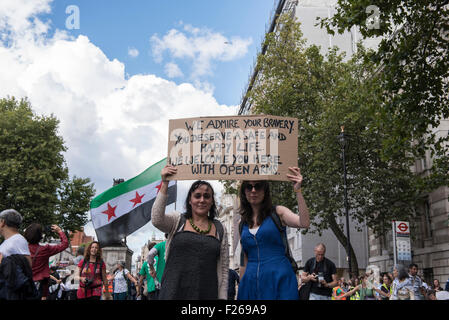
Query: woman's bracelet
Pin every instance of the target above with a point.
(297, 190)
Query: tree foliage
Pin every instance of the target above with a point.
(412, 64)
(325, 93)
(34, 178)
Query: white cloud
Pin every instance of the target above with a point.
(19, 16)
(114, 127)
(133, 52)
(172, 70)
(200, 45)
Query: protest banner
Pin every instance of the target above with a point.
(251, 147)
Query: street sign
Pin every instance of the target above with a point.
(401, 241)
(402, 227)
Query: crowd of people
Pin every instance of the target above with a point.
(319, 281)
(193, 261)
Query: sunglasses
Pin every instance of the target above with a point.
(258, 186)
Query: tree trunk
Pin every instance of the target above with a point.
(343, 240)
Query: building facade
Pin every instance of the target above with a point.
(307, 12)
(229, 217)
(429, 231)
(144, 252)
(78, 238)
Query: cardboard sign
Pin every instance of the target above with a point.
(253, 147)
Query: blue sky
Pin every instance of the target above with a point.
(115, 82)
(115, 26)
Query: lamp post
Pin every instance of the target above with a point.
(343, 143)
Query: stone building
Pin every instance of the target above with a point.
(144, 252)
(229, 217)
(306, 12)
(429, 232)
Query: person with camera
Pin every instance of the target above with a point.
(40, 254)
(321, 275)
(91, 274)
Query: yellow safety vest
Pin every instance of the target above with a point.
(355, 296)
(390, 289)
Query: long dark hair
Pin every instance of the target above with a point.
(33, 234)
(245, 208)
(99, 256)
(193, 187)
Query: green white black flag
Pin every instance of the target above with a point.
(126, 207)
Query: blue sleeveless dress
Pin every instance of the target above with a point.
(268, 275)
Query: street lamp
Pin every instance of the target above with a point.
(344, 143)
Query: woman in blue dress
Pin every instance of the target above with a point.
(266, 273)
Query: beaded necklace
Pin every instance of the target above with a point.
(197, 229)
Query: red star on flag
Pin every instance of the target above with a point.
(159, 187)
(137, 199)
(110, 212)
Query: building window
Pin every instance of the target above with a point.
(428, 275)
(423, 164)
(427, 221)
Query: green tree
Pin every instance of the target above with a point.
(412, 64)
(34, 177)
(324, 93)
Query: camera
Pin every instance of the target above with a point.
(320, 278)
(47, 229)
(88, 282)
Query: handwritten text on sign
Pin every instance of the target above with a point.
(238, 147)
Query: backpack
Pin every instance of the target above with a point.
(16, 279)
(282, 230)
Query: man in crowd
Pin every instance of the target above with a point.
(16, 276)
(157, 251)
(145, 275)
(14, 243)
(322, 273)
(417, 283)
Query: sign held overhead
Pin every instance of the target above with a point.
(253, 147)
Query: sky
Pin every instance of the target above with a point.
(114, 73)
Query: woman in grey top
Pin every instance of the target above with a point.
(402, 285)
(196, 255)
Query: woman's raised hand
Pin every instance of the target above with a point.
(295, 177)
(167, 171)
(56, 228)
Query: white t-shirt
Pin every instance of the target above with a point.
(253, 231)
(120, 284)
(16, 244)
